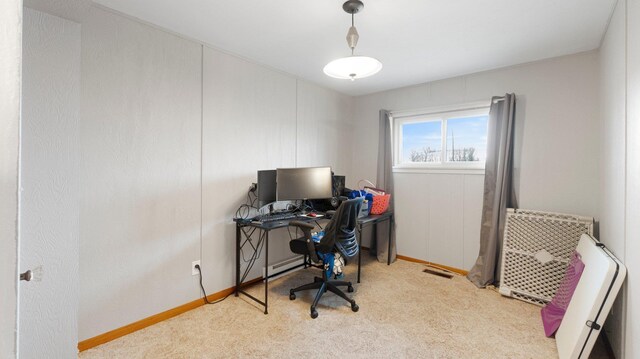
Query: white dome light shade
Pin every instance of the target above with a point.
(353, 67)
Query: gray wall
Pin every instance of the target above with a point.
(323, 131)
(257, 118)
(557, 157)
(139, 172)
(10, 80)
(172, 134)
(632, 245)
(620, 195)
(613, 146)
(49, 208)
(249, 123)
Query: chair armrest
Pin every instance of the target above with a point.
(330, 214)
(302, 225)
(306, 229)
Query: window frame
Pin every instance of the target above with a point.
(443, 114)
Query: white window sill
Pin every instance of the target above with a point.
(440, 170)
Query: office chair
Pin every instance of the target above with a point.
(340, 235)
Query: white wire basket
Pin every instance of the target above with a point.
(536, 251)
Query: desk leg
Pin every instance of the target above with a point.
(266, 274)
(359, 227)
(389, 250)
(238, 239)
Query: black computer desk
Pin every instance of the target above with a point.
(242, 239)
(266, 227)
(374, 219)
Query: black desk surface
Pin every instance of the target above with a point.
(375, 218)
(269, 225)
(284, 223)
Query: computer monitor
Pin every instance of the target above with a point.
(266, 187)
(303, 183)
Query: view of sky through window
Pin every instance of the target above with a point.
(422, 141)
(466, 140)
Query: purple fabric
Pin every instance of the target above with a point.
(553, 312)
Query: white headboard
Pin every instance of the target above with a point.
(596, 291)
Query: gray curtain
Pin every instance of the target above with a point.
(384, 180)
(499, 193)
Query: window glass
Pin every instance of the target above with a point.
(453, 138)
(422, 142)
(467, 139)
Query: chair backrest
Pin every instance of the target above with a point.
(341, 231)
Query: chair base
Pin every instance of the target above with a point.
(323, 284)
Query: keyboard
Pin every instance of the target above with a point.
(275, 217)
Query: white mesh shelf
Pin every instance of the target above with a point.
(536, 251)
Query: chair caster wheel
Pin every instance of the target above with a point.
(354, 307)
(292, 296)
(314, 314)
(350, 289)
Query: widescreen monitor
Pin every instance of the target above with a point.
(266, 187)
(303, 183)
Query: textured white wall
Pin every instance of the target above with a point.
(437, 217)
(249, 123)
(612, 193)
(139, 172)
(612, 93)
(256, 118)
(49, 182)
(323, 130)
(10, 80)
(632, 245)
(557, 163)
(159, 111)
(74, 10)
(620, 196)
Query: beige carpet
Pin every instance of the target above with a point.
(404, 313)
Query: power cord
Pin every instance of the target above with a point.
(206, 300)
(247, 209)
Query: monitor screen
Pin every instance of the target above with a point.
(266, 187)
(303, 183)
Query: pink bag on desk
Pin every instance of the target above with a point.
(380, 203)
(381, 199)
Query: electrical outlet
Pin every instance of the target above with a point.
(194, 270)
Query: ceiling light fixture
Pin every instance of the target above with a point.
(353, 67)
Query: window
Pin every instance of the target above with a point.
(453, 138)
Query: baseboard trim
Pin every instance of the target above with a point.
(415, 260)
(157, 318)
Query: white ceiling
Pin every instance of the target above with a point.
(416, 40)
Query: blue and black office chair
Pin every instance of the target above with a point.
(340, 235)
